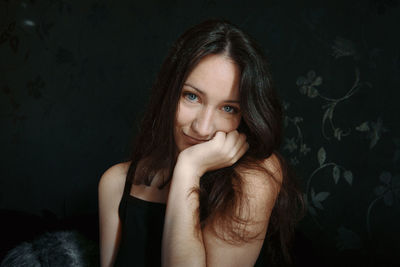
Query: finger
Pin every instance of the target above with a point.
(242, 150)
(239, 142)
(219, 139)
(238, 151)
(231, 140)
(242, 139)
(219, 135)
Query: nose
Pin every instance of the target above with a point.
(203, 124)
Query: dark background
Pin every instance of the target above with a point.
(75, 78)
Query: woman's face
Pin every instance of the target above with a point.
(209, 102)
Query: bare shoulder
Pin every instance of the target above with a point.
(273, 166)
(113, 179)
(111, 188)
(259, 189)
(261, 186)
(268, 177)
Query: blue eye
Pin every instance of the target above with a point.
(228, 109)
(191, 97)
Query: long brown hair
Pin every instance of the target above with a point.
(219, 193)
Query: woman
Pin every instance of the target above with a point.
(205, 180)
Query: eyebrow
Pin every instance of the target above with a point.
(203, 93)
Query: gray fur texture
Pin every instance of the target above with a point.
(64, 248)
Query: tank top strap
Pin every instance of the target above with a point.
(123, 203)
(127, 186)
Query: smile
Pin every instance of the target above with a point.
(193, 141)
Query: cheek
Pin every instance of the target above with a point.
(184, 115)
(228, 125)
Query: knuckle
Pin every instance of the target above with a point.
(225, 153)
(231, 155)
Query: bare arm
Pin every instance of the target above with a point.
(186, 245)
(261, 193)
(110, 188)
(182, 239)
(182, 242)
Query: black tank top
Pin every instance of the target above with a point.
(142, 228)
(142, 225)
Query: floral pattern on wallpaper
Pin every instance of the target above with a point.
(372, 130)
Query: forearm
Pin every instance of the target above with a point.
(182, 238)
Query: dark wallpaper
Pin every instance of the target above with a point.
(75, 78)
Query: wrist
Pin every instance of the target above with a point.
(184, 179)
(188, 167)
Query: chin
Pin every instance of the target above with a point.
(182, 147)
(179, 141)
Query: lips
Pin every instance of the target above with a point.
(193, 141)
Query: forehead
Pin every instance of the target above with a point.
(216, 75)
